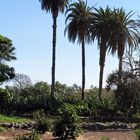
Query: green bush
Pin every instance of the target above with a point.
(82, 108)
(104, 138)
(43, 124)
(106, 107)
(137, 132)
(2, 129)
(32, 136)
(126, 93)
(68, 124)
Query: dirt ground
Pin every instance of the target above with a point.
(113, 135)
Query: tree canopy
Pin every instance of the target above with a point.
(6, 54)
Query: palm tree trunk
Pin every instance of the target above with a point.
(83, 69)
(102, 63)
(53, 55)
(120, 68)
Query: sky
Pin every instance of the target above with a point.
(30, 30)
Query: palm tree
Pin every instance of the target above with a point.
(79, 17)
(124, 34)
(101, 30)
(54, 6)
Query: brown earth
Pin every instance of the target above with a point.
(113, 135)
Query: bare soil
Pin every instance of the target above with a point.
(113, 135)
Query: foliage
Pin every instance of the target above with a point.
(42, 121)
(104, 138)
(68, 124)
(2, 129)
(137, 132)
(54, 6)
(37, 97)
(106, 107)
(6, 54)
(13, 119)
(30, 98)
(82, 108)
(32, 136)
(127, 93)
(5, 100)
(6, 73)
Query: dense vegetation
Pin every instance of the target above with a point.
(124, 98)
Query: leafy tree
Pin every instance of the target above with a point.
(42, 88)
(127, 92)
(6, 54)
(5, 100)
(6, 73)
(78, 28)
(54, 6)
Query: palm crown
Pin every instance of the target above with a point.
(54, 6)
(79, 21)
(124, 33)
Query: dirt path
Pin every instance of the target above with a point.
(113, 135)
(11, 134)
(4, 138)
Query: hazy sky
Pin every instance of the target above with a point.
(30, 29)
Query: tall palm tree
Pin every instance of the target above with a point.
(54, 6)
(124, 34)
(79, 17)
(101, 30)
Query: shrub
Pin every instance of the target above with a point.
(32, 136)
(137, 132)
(2, 129)
(104, 138)
(82, 108)
(43, 123)
(106, 107)
(68, 124)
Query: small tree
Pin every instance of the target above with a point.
(68, 124)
